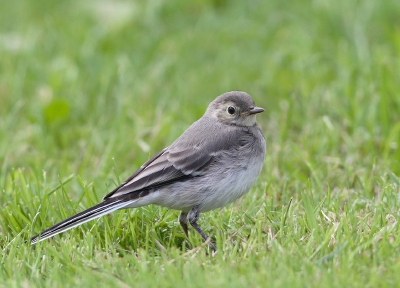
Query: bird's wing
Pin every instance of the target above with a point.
(164, 168)
(156, 171)
(185, 158)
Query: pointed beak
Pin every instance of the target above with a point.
(256, 110)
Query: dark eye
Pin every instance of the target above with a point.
(231, 110)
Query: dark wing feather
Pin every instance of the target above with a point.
(155, 172)
(190, 159)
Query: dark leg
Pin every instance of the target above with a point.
(183, 221)
(193, 216)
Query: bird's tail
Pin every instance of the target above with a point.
(94, 212)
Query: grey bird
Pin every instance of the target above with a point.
(214, 162)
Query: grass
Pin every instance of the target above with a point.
(90, 90)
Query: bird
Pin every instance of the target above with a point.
(213, 163)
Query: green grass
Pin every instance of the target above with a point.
(89, 90)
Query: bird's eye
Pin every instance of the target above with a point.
(231, 110)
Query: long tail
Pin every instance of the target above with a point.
(94, 212)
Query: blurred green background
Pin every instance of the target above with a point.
(72, 71)
(89, 90)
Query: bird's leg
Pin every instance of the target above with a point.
(183, 221)
(193, 216)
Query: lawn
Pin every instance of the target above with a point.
(89, 90)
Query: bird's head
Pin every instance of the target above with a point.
(234, 108)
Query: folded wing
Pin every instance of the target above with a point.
(185, 158)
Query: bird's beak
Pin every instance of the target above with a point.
(256, 110)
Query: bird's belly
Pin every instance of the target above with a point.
(231, 186)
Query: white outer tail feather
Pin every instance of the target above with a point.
(80, 219)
